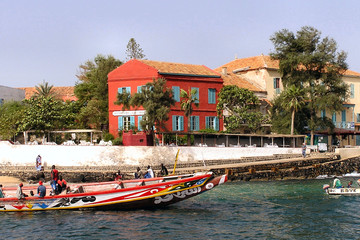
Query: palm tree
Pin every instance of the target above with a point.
(188, 100)
(44, 90)
(293, 99)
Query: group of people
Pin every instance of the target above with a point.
(150, 173)
(337, 183)
(58, 184)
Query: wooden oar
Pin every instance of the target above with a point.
(177, 155)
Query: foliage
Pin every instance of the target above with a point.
(117, 141)
(10, 117)
(155, 98)
(313, 63)
(92, 90)
(241, 106)
(44, 114)
(133, 50)
(208, 130)
(292, 100)
(108, 137)
(281, 118)
(44, 90)
(188, 100)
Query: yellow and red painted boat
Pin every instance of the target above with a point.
(123, 195)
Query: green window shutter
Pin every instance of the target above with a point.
(120, 123)
(212, 95)
(176, 93)
(174, 123)
(139, 89)
(197, 94)
(216, 122)
(128, 89)
(181, 123)
(343, 116)
(197, 123)
(139, 123)
(207, 122)
(274, 83)
(132, 121)
(334, 118)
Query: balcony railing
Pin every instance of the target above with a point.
(345, 125)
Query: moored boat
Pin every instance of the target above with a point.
(117, 195)
(341, 191)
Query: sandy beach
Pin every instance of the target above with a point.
(5, 180)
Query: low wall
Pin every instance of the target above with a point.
(348, 152)
(24, 155)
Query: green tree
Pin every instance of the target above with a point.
(44, 90)
(293, 99)
(42, 114)
(156, 99)
(241, 107)
(133, 50)
(188, 100)
(10, 118)
(308, 61)
(92, 90)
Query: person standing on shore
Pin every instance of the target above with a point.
(303, 148)
(38, 163)
(54, 177)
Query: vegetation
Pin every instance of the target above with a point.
(313, 63)
(241, 106)
(133, 50)
(10, 118)
(188, 100)
(155, 98)
(44, 90)
(92, 91)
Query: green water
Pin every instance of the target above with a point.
(235, 210)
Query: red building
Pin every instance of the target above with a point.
(134, 74)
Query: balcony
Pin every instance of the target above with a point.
(345, 125)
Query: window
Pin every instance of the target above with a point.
(196, 94)
(352, 92)
(334, 118)
(126, 122)
(358, 117)
(124, 90)
(212, 95)
(176, 93)
(323, 114)
(194, 123)
(212, 123)
(140, 88)
(343, 116)
(178, 123)
(277, 85)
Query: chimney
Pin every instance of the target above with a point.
(224, 71)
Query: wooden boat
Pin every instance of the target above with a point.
(115, 195)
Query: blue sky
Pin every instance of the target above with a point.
(47, 40)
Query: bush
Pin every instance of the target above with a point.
(108, 137)
(117, 141)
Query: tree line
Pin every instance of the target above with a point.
(311, 70)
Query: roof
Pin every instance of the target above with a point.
(233, 79)
(261, 62)
(181, 68)
(63, 93)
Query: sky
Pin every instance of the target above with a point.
(48, 40)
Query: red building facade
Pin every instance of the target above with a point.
(134, 74)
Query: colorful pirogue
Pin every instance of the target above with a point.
(123, 195)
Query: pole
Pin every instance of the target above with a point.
(177, 155)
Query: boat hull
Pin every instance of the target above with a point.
(143, 196)
(343, 191)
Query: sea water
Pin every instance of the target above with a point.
(236, 210)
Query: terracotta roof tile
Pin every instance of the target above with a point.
(233, 79)
(63, 93)
(180, 68)
(259, 62)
